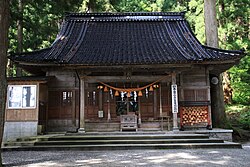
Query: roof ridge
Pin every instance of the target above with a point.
(111, 14)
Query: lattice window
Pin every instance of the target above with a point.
(92, 98)
(67, 97)
(195, 95)
(194, 115)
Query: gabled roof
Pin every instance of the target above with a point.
(105, 39)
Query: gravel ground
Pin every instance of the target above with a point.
(129, 158)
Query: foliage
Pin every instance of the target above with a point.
(234, 34)
(195, 17)
(240, 79)
(41, 20)
(239, 115)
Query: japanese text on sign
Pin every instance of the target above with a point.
(174, 99)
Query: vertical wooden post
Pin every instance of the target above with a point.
(209, 99)
(161, 116)
(109, 115)
(100, 106)
(175, 119)
(139, 111)
(155, 104)
(127, 105)
(82, 107)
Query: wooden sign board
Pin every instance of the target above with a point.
(174, 98)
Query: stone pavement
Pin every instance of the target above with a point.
(131, 158)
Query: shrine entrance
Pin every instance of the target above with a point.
(126, 105)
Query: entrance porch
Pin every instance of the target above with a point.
(109, 110)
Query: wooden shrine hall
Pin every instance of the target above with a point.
(118, 72)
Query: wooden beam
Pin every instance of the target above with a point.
(95, 79)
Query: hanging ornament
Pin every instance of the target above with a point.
(88, 94)
(94, 98)
(111, 93)
(105, 89)
(151, 88)
(147, 92)
(135, 96)
(116, 93)
(128, 94)
(122, 95)
(140, 93)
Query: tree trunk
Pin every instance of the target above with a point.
(211, 30)
(91, 5)
(4, 27)
(211, 23)
(227, 89)
(19, 34)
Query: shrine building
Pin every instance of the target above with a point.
(116, 72)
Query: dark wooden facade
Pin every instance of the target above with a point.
(126, 51)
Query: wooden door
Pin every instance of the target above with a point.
(61, 105)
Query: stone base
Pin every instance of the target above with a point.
(14, 130)
(81, 130)
(224, 134)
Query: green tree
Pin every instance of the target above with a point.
(40, 23)
(4, 27)
(234, 34)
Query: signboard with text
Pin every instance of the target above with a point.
(174, 98)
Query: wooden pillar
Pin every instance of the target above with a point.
(139, 110)
(100, 103)
(161, 116)
(160, 101)
(127, 105)
(82, 107)
(109, 115)
(175, 119)
(155, 103)
(209, 99)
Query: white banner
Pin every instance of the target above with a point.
(174, 98)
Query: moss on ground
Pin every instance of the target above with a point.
(239, 118)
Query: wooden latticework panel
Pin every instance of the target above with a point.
(192, 115)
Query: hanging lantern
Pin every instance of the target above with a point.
(128, 94)
(116, 93)
(156, 86)
(99, 87)
(105, 89)
(140, 93)
(151, 88)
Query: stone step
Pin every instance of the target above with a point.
(125, 146)
(149, 129)
(127, 137)
(124, 141)
(118, 141)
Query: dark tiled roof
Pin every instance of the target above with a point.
(124, 39)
